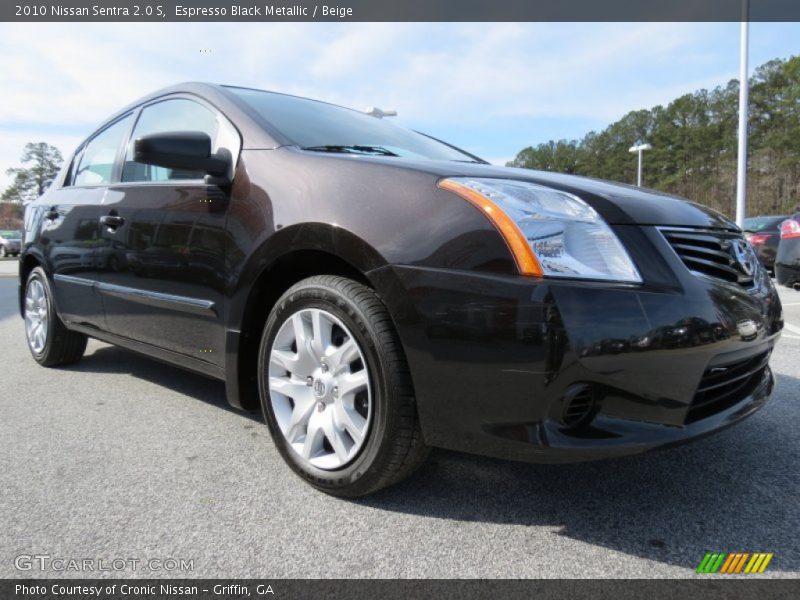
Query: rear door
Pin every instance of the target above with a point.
(70, 233)
(163, 280)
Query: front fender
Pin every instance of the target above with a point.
(317, 237)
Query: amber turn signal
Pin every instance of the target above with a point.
(527, 264)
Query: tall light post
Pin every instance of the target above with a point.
(741, 166)
(638, 149)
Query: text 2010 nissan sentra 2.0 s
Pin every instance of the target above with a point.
(381, 292)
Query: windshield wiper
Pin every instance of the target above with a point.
(355, 149)
(474, 159)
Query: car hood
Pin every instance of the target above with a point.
(617, 203)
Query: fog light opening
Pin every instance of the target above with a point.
(579, 406)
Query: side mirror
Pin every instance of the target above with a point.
(189, 150)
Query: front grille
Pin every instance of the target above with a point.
(724, 385)
(709, 253)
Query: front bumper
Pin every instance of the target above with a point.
(496, 360)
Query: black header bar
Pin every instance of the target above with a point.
(398, 10)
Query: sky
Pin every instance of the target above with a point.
(491, 88)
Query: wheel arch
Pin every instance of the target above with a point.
(287, 257)
(27, 263)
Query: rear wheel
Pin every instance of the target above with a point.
(336, 390)
(50, 342)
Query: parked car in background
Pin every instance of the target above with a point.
(764, 233)
(10, 243)
(377, 291)
(787, 261)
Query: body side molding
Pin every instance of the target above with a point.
(196, 306)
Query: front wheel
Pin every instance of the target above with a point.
(50, 342)
(335, 388)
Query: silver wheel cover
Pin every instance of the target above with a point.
(319, 388)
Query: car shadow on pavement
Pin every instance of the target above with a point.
(111, 359)
(736, 491)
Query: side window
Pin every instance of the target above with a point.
(97, 158)
(178, 114)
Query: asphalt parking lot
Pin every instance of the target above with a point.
(123, 457)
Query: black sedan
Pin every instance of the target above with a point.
(787, 263)
(378, 292)
(764, 234)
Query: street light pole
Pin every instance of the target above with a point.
(741, 167)
(639, 149)
(639, 170)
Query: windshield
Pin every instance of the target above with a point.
(323, 127)
(11, 235)
(763, 223)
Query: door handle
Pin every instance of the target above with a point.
(51, 214)
(112, 221)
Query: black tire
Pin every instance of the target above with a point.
(62, 346)
(394, 447)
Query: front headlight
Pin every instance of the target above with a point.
(549, 232)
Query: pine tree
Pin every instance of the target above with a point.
(694, 142)
(31, 182)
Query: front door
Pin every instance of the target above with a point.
(163, 279)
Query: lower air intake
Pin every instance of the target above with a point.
(724, 385)
(579, 403)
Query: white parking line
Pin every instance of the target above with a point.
(792, 328)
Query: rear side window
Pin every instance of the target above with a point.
(763, 223)
(96, 163)
(178, 114)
